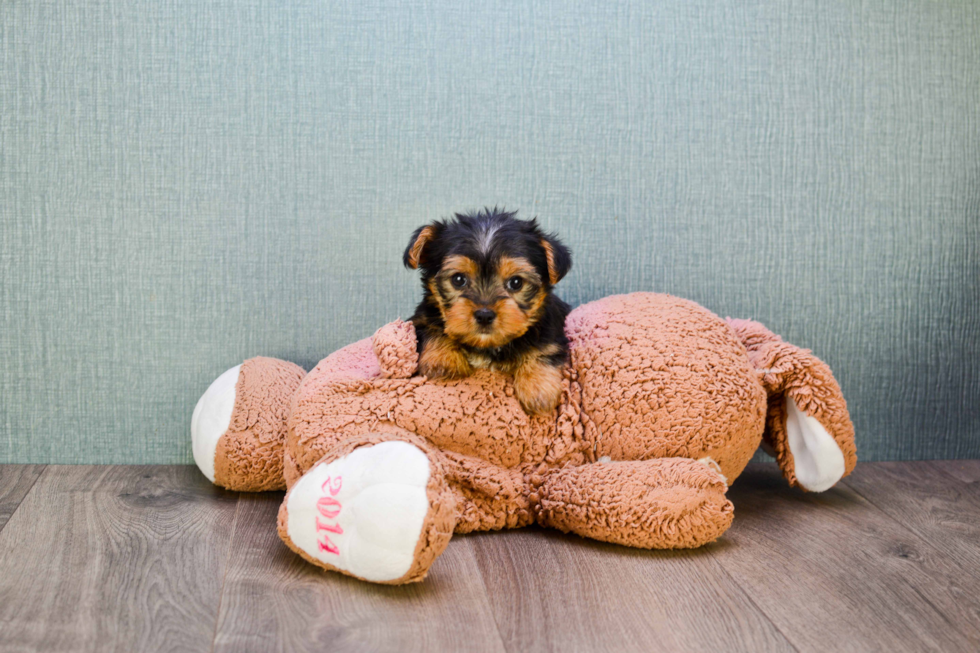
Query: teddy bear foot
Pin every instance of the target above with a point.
(381, 513)
(211, 418)
(239, 425)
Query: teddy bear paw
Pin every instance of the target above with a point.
(817, 458)
(362, 513)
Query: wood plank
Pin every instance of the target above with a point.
(132, 558)
(834, 572)
(115, 559)
(551, 591)
(273, 600)
(15, 482)
(967, 471)
(926, 500)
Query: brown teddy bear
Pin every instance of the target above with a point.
(663, 404)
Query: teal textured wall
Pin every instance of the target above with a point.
(190, 183)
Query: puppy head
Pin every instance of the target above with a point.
(488, 273)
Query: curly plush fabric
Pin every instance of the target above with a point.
(249, 454)
(663, 377)
(790, 371)
(437, 528)
(395, 347)
(663, 404)
(664, 503)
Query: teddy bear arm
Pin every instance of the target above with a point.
(662, 503)
(808, 428)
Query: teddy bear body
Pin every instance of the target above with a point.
(641, 384)
(663, 405)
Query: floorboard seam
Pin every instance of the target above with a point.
(486, 594)
(947, 474)
(224, 575)
(904, 526)
(756, 605)
(23, 498)
(925, 541)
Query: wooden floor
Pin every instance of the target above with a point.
(155, 558)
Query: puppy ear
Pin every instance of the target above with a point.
(559, 258)
(415, 252)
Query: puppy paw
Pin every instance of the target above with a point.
(538, 388)
(441, 359)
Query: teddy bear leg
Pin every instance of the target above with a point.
(663, 503)
(377, 508)
(239, 425)
(489, 497)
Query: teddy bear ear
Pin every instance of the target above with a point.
(559, 258)
(414, 256)
(396, 347)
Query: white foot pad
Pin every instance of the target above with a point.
(211, 418)
(363, 513)
(818, 461)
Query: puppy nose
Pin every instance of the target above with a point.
(484, 316)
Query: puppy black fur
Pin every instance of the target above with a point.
(487, 280)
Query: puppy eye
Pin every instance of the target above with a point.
(514, 284)
(458, 280)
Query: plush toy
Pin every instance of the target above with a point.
(663, 405)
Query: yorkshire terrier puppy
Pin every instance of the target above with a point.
(487, 302)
